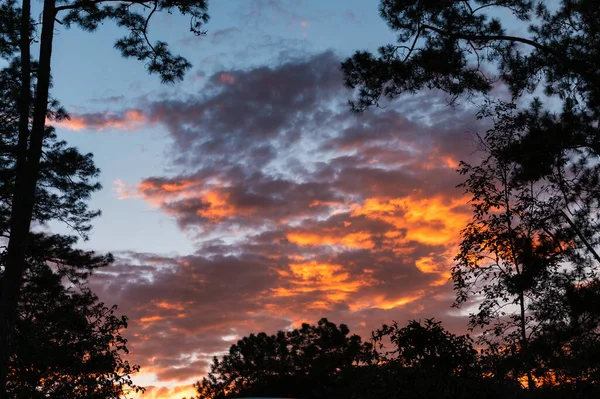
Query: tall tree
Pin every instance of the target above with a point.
(535, 195)
(133, 16)
(530, 240)
(66, 342)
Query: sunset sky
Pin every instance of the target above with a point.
(248, 198)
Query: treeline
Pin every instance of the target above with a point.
(419, 360)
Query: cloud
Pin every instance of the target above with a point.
(301, 209)
(162, 392)
(131, 119)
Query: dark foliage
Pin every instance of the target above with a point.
(307, 362)
(421, 360)
(32, 155)
(461, 47)
(529, 247)
(67, 178)
(135, 16)
(559, 52)
(528, 257)
(67, 343)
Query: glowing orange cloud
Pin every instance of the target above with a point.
(158, 193)
(214, 202)
(152, 319)
(351, 240)
(219, 207)
(380, 302)
(167, 392)
(432, 221)
(330, 279)
(130, 120)
(170, 306)
(435, 221)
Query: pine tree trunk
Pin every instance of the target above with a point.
(29, 152)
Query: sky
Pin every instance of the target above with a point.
(248, 197)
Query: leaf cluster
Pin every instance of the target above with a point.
(135, 17)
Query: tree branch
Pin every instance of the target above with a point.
(581, 237)
(486, 38)
(82, 3)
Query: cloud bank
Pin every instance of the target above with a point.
(299, 210)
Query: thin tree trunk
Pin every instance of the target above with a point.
(29, 152)
(524, 346)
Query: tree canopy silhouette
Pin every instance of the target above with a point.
(304, 362)
(530, 243)
(67, 344)
(461, 47)
(419, 360)
(17, 32)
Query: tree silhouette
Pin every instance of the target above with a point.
(529, 252)
(462, 47)
(71, 345)
(428, 360)
(428, 347)
(67, 343)
(67, 178)
(17, 32)
(528, 244)
(304, 362)
(420, 360)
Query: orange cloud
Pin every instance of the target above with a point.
(158, 192)
(211, 201)
(167, 392)
(380, 302)
(219, 207)
(170, 306)
(350, 240)
(129, 120)
(331, 280)
(226, 78)
(432, 221)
